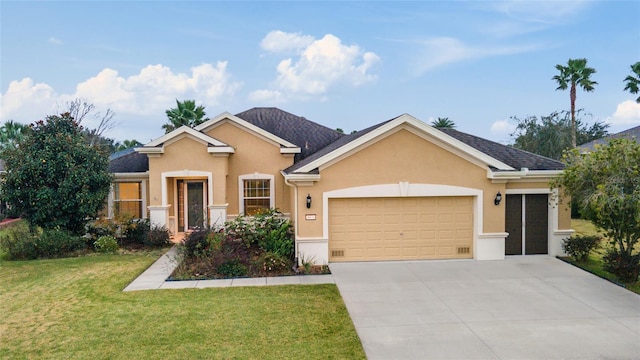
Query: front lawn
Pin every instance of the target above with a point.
(74, 308)
(594, 262)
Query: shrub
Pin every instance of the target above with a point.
(157, 236)
(101, 227)
(269, 231)
(197, 244)
(579, 247)
(135, 231)
(58, 242)
(624, 266)
(232, 268)
(271, 263)
(18, 242)
(106, 244)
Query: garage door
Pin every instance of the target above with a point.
(369, 229)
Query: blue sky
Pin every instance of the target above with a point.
(342, 64)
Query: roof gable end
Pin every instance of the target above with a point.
(157, 146)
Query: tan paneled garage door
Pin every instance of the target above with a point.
(369, 229)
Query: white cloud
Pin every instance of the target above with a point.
(503, 128)
(55, 41)
(280, 41)
(266, 96)
(627, 113)
(26, 102)
(145, 95)
(319, 64)
(441, 51)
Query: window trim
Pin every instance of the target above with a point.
(255, 176)
(142, 200)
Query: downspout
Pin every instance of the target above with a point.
(295, 214)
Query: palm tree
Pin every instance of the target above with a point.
(185, 113)
(633, 82)
(575, 73)
(443, 123)
(127, 144)
(12, 133)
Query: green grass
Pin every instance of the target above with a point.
(594, 263)
(75, 309)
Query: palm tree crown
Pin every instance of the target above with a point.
(443, 123)
(633, 82)
(575, 73)
(185, 113)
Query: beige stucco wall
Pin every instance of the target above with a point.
(400, 157)
(253, 153)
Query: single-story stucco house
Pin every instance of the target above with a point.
(398, 190)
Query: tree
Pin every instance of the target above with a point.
(550, 135)
(575, 73)
(11, 133)
(443, 123)
(54, 178)
(80, 109)
(185, 113)
(127, 144)
(633, 82)
(606, 185)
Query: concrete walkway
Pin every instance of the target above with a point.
(156, 275)
(531, 307)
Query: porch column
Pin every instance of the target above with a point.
(159, 215)
(217, 215)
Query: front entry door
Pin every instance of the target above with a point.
(192, 206)
(527, 223)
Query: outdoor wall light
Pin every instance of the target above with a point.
(498, 198)
(308, 201)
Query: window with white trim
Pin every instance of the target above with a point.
(256, 193)
(127, 198)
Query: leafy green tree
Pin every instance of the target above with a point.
(550, 135)
(632, 82)
(576, 73)
(443, 123)
(127, 144)
(54, 178)
(11, 133)
(185, 113)
(606, 185)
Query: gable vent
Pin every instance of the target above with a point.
(337, 253)
(464, 250)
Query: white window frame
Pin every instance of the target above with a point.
(255, 176)
(142, 200)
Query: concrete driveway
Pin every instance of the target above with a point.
(533, 307)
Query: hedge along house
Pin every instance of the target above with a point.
(399, 190)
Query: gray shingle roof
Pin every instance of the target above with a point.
(632, 133)
(511, 156)
(306, 134)
(128, 161)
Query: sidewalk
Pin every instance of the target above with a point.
(156, 275)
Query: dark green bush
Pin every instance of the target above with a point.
(136, 231)
(232, 268)
(269, 231)
(157, 236)
(18, 242)
(624, 266)
(579, 247)
(197, 243)
(56, 242)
